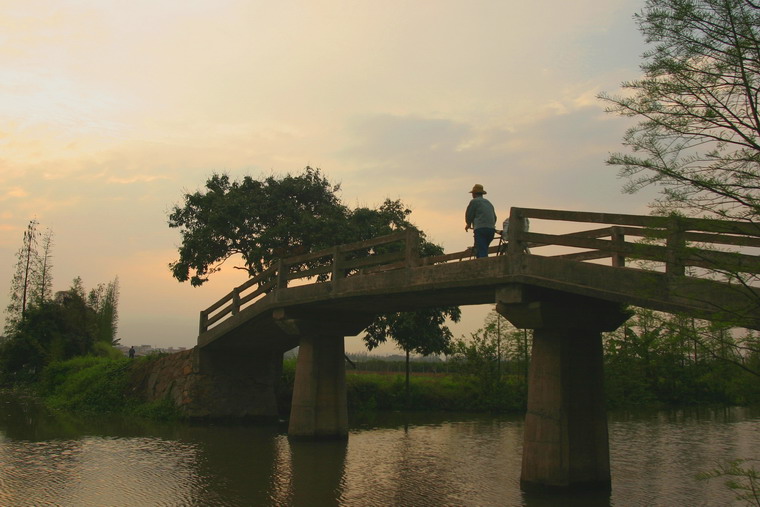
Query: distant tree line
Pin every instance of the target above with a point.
(42, 327)
(677, 360)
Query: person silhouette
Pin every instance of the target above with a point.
(481, 217)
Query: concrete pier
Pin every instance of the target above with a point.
(565, 444)
(319, 408)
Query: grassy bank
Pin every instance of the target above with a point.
(93, 385)
(96, 385)
(106, 386)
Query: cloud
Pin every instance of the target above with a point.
(137, 178)
(14, 193)
(552, 160)
(109, 111)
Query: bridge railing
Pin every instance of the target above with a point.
(397, 250)
(675, 242)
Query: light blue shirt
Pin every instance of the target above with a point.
(480, 214)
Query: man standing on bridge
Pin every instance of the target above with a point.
(481, 217)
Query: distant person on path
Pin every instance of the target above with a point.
(481, 217)
(132, 352)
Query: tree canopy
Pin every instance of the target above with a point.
(698, 130)
(260, 221)
(422, 332)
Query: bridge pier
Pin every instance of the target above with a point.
(319, 407)
(565, 442)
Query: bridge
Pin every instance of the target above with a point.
(568, 286)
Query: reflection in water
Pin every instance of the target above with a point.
(665, 451)
(396, 459)
(437, 464)
(112, 471)
(237, 463)
(317, 473)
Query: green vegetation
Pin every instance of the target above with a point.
(371, 391)
(86, 384)
(661, 359)
(97, 385)
(650, 362)
(656, 360)
(454, 391)
(423, 332)
(41, 329)
(69, 326)
(62, 347)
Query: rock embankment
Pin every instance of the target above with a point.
(205, 385)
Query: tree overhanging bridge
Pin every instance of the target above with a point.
(568, 287)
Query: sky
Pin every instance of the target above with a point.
(111, 111)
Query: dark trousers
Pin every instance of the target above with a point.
(483, 238)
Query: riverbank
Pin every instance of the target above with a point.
(96, 385)
(107, 386)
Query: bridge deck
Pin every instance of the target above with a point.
(363, 282)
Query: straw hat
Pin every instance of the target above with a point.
(478, 189)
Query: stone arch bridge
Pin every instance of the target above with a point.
(569, 278)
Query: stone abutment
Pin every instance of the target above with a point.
(220, 384)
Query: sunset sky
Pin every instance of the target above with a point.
(109, 111)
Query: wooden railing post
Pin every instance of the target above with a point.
(337, 272)
(412, 248)
(282, 275)
(618, 243)
(203, 326)
(676, 245)
(515, 247)
(235, 301)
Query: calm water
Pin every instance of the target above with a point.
(393, 459)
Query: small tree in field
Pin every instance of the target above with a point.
(422, 332)
(104, 299)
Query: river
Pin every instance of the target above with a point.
(389, 459)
